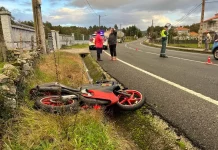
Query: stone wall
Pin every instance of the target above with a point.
(13, 75)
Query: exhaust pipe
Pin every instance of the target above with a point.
(48, 89)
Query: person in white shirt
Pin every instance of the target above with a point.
(207, 41)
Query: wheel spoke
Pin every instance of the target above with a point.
(129, 101)
(132, 95)
(124, 100)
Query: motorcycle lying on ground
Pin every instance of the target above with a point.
(56, 97)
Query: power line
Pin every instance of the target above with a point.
(193, 10)
(189, 13)
(108, 21)
(88, 8)
(211, 1)
(91, 7)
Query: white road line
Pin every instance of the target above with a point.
(173, 56)
(171, 83)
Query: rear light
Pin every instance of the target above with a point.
(105, 39)
(91, 40)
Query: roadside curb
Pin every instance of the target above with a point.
(87, 72)
(178, 48)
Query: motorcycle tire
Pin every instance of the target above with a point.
(46, 103)
(134, 102)
(34, 94)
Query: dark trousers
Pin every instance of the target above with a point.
(99, 51)
(113, 50)
(163, 48)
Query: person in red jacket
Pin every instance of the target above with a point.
(98, 45)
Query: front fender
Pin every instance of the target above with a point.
(215, 46)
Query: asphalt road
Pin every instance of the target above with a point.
(182, 88)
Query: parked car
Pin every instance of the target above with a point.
(215, 46)
(92, 42)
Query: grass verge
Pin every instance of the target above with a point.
(36, 130)
(129, 39)
(190, 45)
(93, 67)
(149, 132)
(177, 48)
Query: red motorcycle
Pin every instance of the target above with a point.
(55, 97)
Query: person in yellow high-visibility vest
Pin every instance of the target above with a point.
(164, 35)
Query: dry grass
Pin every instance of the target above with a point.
(38, 130)
(69, 67)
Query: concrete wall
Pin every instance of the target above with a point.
(6, 28)
(66, 40)
(81, 42)
(16, 36)
(58, 40)
(22, 37)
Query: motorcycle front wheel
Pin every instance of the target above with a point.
(54, 104)
(130, 100)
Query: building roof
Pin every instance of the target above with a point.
(212, 18)
(181, 29)
(193, 34)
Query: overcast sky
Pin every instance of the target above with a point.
(124, 12)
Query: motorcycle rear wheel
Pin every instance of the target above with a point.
(54, 104)
(130, 103)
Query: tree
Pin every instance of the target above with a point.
(3, 9)
(115, 26)
(29, 23)
(193, 28)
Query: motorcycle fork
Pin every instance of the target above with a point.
(66, 97)
(123, 93)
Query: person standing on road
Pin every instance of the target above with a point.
(207, 41)
(164, 42)
(112, 41)
(98, 45)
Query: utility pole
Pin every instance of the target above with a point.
(99, 20)
(201, 25)
(39, 27)
(120, 27)
(152, 29)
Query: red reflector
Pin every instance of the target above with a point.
(97, 107)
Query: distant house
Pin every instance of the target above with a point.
(193, 35)
(182, 31)
(211, 25)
